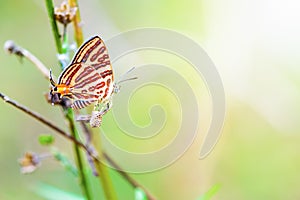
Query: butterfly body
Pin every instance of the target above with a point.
(89, 77)
(63, 89)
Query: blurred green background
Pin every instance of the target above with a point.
(255, 46)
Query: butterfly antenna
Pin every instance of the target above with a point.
(128, 79)
(130, 70)
(51, 79)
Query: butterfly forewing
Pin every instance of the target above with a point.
(94, 53)
(90, 75)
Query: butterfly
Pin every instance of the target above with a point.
(89, 77)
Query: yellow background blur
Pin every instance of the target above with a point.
(255, 46)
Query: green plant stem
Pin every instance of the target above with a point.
(69, 115)
(62, 48)
(51, 125)
(101, 168)
(127, 177)
(79, 158)
(50, 9)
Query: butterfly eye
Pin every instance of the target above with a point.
(55, 89)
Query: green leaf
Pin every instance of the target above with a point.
(139, 194)
(210, 193)
(64, 160)
(46, 139)
(52, 193)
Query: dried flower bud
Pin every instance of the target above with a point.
(11, 48)
(29, 163)
(64, 13)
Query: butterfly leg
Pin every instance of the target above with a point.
(107, 107)
(84, 118)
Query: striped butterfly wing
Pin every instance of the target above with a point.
(81, 79)
(90, 75)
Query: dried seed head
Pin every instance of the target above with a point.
(11, 48)
(29, 163)
(64, 13)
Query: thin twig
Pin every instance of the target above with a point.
(13, 48)
(51, 125)
(19, 51)
(77, 23)
(133, 182)
(40, 118)
(88, 136)
(118, 168)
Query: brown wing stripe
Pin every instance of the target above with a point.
(106, 73)
(86, 71)
(71, 76)
(97, 54)
(101, 65)
(85, 50)
(67, 74)
(86, 81)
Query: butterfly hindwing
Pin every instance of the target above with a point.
(78, 104)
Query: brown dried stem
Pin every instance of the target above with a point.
(125, 175)
(77, 23)
(51, 125)
(43, 120)
(12, 48)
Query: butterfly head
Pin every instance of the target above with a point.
(54, 93)
(55, 96)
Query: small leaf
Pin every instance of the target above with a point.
(52, 193)
(46, 139)
(64, 160)
(210, 193)
(139, 194)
